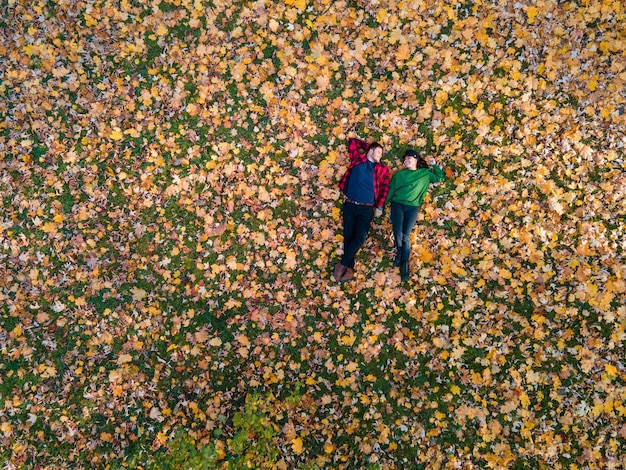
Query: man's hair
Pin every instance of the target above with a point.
(374, 146)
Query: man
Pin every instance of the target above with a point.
(365, 185)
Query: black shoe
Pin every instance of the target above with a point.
(398, 260)
(404, 270)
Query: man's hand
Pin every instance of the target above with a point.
(378, 212)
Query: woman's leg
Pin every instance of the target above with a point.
(410, 216)
(408, 222)
(397, 222)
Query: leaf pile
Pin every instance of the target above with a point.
(171, 215)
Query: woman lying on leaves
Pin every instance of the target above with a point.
(406, 192)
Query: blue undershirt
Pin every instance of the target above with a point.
(361, 185)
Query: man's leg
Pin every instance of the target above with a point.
(362, 221)
(349, 226)
(349, 219)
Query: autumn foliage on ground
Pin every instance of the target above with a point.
(171, 217)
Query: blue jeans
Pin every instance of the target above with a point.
(356, 224)
(403, 219)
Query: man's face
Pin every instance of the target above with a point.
(375, 154)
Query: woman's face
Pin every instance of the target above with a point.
(410, 162)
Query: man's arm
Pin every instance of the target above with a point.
(383, 177)
(392, 189)
(356, 148)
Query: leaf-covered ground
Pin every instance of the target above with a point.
(170, 218)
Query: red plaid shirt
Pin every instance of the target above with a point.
(357, 150)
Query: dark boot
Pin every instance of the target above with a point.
(339, 271)
(398, 260)
(348, 275)
(404, 270)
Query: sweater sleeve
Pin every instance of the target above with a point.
(436, 174)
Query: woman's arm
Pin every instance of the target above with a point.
(392, 188)
(436, 173)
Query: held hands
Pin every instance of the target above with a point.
(378, 212)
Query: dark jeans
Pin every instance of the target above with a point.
(403, 219)
(356, 223)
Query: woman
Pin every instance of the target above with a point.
(406, 193)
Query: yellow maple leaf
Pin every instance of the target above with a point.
(116, 134)
(243, 352)
(161, 30)
(395, 36)
(162, 438)
(425, 255)
(134, 133)
(382, 15)
(90, 20)
(531, 13)
(524, 400)
(441, 98)
(458, 352)
(259, 239)
(348, 340)
(124, 358)
(297, 445)
(243, 340)
(317, 50)
(49, 227)
(17, 331)
(605, 112)
(138, 294)
(403, 52)
(290, 261)
(264, 195)
(610, 369)
(299, 4)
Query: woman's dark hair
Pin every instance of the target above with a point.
(421, 163)
(374, 145)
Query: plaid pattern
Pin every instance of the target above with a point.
(357, 150)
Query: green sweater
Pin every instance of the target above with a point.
(409, 186)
